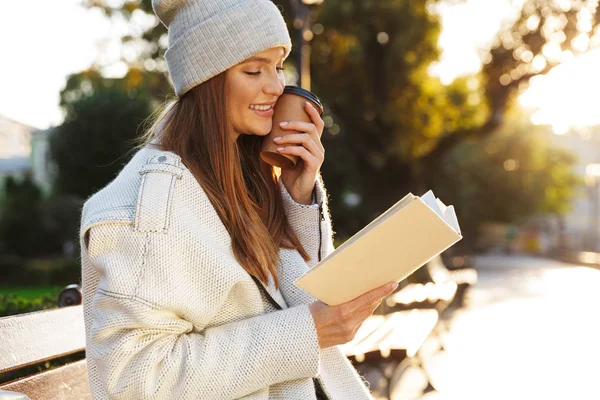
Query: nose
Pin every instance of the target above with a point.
(274, 86)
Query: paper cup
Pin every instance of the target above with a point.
(289, 107)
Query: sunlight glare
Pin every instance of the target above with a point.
(567, 96)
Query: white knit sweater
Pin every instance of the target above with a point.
(169, 312)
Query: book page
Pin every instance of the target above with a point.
(441, 205)
(450, 217)
(447, 213)
(429, 199)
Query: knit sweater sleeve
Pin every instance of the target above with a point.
(311, 223)
(144, 346)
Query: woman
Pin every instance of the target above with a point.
(189, 255)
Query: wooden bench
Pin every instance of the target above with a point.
(422, 295)
(463, 277)
(416, 312)
(444, 288)
(394, 340)
(30, 339)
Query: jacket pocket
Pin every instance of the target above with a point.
(155, 196)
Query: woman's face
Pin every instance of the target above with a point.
(254, 83)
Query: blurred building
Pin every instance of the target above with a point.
(24, 150)
(581, 227)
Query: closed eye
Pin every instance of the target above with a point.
(258, 72)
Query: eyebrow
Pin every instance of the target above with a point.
(257, 59)
(264, 60)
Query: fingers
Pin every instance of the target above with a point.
(306, 131)
(311, 161)
(313, 128)
(308, 149)
(314, 116)
(367, 299)
(339, 324)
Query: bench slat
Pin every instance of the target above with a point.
(69, 382)
(401, 330)
(419, 293)
(39, 336)
(421, 323)
(366, 329)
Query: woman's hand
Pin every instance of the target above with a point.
(301, 180)
(338, 324)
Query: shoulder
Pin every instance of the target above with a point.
(140, 195)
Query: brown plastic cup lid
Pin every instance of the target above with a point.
(304, 93)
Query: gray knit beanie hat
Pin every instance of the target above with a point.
(207, 37)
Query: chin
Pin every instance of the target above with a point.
(262, 131)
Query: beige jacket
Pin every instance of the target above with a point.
(169, 312)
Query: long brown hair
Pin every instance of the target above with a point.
(241, 187)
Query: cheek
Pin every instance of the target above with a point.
(244, 98)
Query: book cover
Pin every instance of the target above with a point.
(391, 247)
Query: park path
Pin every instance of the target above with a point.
(530, 330)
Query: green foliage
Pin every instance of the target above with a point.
(13, 305)
(31, 225)
(507, 177)
(370, 67)
(32, 292)
(61, 219)
(373, 74)
(11, 269)
(139, 84)
(100, 127)
(21, 226)
(55, 271)
(38, 272)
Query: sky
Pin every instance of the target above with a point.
(66, 40)
(37, 60)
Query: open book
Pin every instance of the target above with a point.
(391, 247)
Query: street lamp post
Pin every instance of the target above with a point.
(303, 11)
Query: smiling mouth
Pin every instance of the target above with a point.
(264, 113)
(260, 108)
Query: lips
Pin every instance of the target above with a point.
(266, 113)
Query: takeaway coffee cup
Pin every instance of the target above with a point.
(289, 107)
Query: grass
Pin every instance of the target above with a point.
(31, 292)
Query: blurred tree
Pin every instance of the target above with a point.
(543, 34)
(136, 83)
(21, 229)
(370, 66)
(508, 176)
(370, 62)
(101, 123)
(61, 220)
(389, 123)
